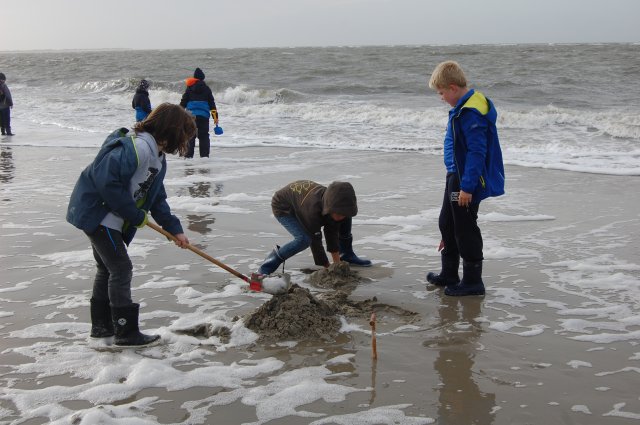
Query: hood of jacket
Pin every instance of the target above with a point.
(340, 198)
(474, 100)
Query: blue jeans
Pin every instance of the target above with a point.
(345, 228)
(301, 240)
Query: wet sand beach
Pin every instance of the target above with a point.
(554, 341)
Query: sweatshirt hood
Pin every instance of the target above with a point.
(198, 74)
(340, 198)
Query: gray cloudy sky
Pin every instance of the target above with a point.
(168, 24)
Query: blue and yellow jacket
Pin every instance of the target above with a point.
(472, 148)
(198, 98)
(103, 187)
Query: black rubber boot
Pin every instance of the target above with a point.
(125, 321)
(8, 131)
(471, 283)
(448, 276)
(272, 262)
(347, 254)
(101, 323)
(3, 133)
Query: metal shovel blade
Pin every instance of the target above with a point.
(274, 285)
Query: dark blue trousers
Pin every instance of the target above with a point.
(459, 225)
(114, 269)
(5, 119)
(202, 123)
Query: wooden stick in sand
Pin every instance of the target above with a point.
(374, 347)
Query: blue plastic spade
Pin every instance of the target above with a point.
(217, 130)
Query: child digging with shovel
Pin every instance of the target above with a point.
(112, 198)
(305, 209)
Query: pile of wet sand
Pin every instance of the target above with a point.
(294, 315)
(337, 275)
(299, 314)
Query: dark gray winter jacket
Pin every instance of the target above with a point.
(5, 96)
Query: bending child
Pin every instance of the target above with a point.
(112, 198)
(305, 209)
(475, 171)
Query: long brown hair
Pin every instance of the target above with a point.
(171, 125)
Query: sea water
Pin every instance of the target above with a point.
(555, 340)
(569, 107)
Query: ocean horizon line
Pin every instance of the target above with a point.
(353, 46)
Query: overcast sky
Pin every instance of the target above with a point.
(168, 24)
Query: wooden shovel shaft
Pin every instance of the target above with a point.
(374, 345)
(199, 252)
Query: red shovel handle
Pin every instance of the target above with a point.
(200, 253)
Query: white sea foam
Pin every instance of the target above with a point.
(382, 414)
(545, 138)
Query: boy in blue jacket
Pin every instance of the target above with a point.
(473, 159)
(199, 100)
(112, 198)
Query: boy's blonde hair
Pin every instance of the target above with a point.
(447, 73)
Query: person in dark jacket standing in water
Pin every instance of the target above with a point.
(199, 100)
(141, 102)
(6, 103)
(305, 208)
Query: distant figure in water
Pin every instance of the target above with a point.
(473, 159)
(6, 103)
(307, 209)
(199, 100)
(141, 102)
(112, 198)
